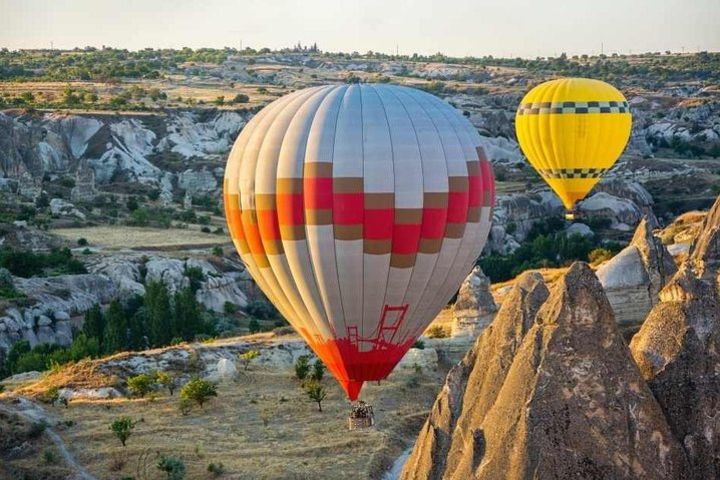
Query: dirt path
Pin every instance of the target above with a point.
(35, 413)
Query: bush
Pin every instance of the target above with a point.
(166, 380)
(216, 469)
(436, 331)
(229, 308)
(318, 370)
(140, 385)
(599, 255)
(199, 391)
(122, 428)
(254, 325)
(240, 98)
(419, 344)
(247, 357)
(173, 467)
(217, 251)
(260, 309)
(302, 367)
(82, 242)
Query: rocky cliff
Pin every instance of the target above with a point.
(552, 395)
(678, 350)
(634, 277)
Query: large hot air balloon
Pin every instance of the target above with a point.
(358, 210)
(572, 130)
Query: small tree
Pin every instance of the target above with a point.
(173, 467)
(140, 385)
(318, 370)
(316, 392)
(122, 428)
(254, 326)
(166, 380)
(198, 391)
(247, 357)
(302, 367)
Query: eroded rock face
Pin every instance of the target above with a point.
(678, 351)
(475, 307)
(565, 400)
(473, 377)
(634, 277)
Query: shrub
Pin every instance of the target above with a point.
(229, 308)
(173, 467)
(599, 255)
(437, 331)
(248, 357)
(82, 242)
(122, 428)
(217, 251)
(302, 367)
(166, 380)
(254, 325)
(140, 385)
(316, 392)
(318, 370)
(240, 98)
(199, 391)
(216, 469)
(419, 344)
(50, 456)
(185, 406)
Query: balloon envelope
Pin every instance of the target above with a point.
(358, 210)
(572, 130)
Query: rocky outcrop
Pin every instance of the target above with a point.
(634, 277)
(678, 351)
(49, 305)
(484, 367)
(475, 307)
(567, 401)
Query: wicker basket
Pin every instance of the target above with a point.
(361, 416)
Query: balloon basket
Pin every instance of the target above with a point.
(361, 416)
(571, 215)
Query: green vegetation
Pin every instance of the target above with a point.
(216, 469)
(302, 367)
(316, 392)
(318, 370)
(547, 246)
(166, 380)
(247, 357)
(198, 391)
(173, 467)
(122, 428)
(437, 331)
(21, 358)
(24, 263)
(140, 385)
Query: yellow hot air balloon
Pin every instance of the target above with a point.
(572, 130)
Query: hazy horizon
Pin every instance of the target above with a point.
(510, 28)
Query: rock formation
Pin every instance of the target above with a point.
(678, 350)
(634, 277)
(475, 307)
(497, 346)
(564, 400)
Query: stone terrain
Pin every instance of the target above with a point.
(564, 400)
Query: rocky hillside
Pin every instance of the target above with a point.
(551, 389)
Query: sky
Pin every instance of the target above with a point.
(509, 28)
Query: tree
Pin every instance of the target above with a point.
(254, 325)
(140, 385)
(94, 325)
(318, 370)
(157, 307)
(187, 316)
(115, 328)
(316, 392)
(198, 391)
(248, 357)
(122, 428)
(166, 380)
(302, 367)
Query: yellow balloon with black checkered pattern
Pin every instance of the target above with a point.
(572, 130)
